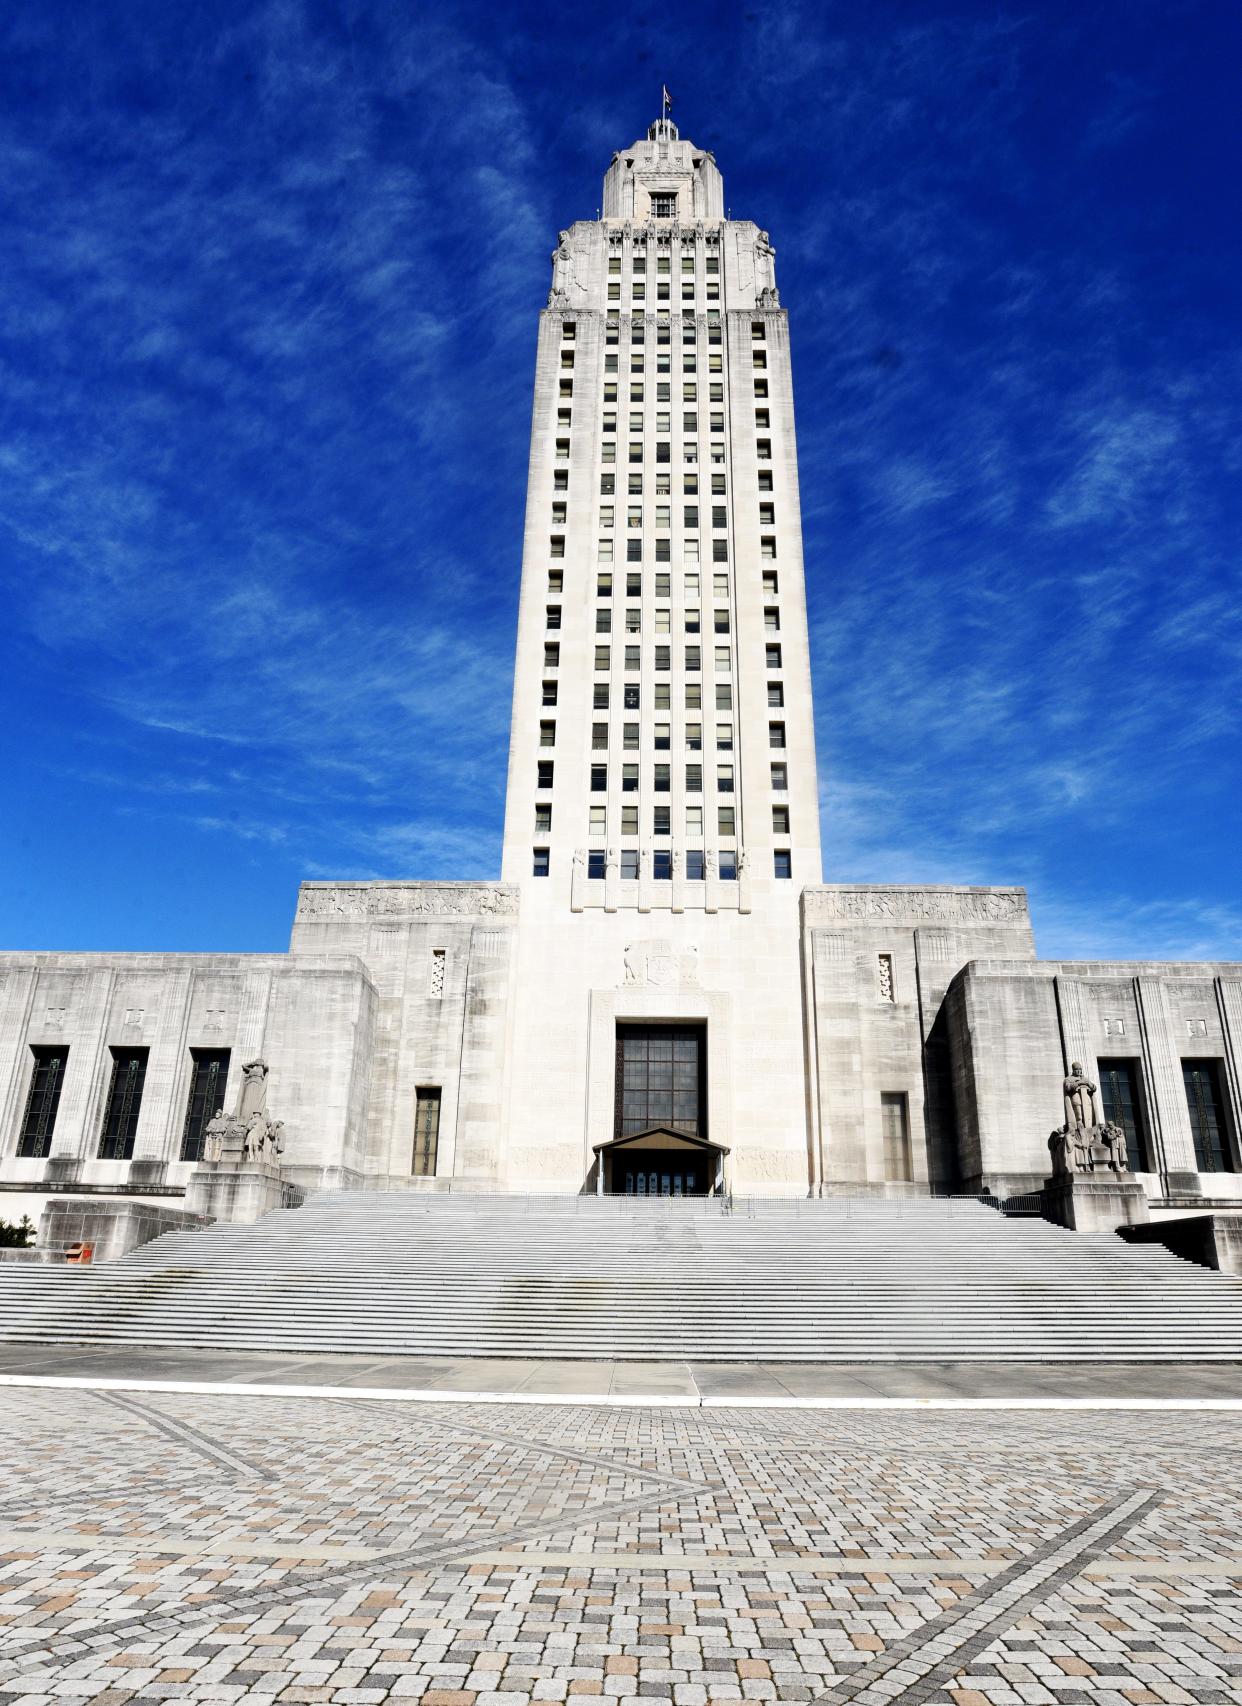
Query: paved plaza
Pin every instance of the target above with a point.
(223, 1546)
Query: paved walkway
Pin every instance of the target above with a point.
(224, 1546)
(776, 1385)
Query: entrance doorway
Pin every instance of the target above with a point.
(660, 1173)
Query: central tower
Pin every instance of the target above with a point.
(662, 812)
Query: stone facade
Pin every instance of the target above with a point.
(661, 859)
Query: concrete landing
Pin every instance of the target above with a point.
(685, 1384)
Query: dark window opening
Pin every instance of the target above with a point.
(1208, 1121)
(120, 1126)
(1122, 1104)
(426, 1131)
(661, 1079)
(209, 1073)
(39, 1119)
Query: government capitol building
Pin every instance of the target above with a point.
(662, 995)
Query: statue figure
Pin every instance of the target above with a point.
(1079, 1095)
(273, 1144)
(213, 1136)
(612, 862)
(679, 860)
(743, 862)
(711, 864)
(256, 1135)
(1115, 1141)
(253, 1096)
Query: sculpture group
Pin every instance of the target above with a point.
(245, 1135)
(1084, 1143)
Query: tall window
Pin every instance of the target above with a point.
(120, 1126)
(1208, 1123)
(895, 1123)
(39, 1119)
(426, 1130)
(209, 1074)
(1122, 1103)
(660, 1078)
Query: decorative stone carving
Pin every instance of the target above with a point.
(657, 963)
(917, 906)
(1078, 1095)
(406, 900)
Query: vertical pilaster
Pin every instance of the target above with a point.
(1170, 1117)
(17, 991)
(154, 1141)
(74, 1136)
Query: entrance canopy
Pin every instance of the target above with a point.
(659, 1161)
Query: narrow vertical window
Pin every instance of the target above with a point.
(426, 1131)
(39, 1119)
(435, 987)
(884, 977)
(895, 1121)
(120, 1125)
(1208, 1121)
(209, 1074)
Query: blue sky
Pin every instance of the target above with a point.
(267, 319)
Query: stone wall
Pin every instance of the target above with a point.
(878, 960)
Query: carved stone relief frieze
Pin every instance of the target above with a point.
(657, 963)
(407, 900)
(917, 906)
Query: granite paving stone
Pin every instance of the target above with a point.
(222, 1546)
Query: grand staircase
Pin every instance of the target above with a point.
(652, 1279)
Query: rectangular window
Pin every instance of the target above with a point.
(632, 697)
(720, 550)
(120, 1124)
(629, 864)
(42, 1101)
(209, 1075)
(661, 866)
(544, 769)
(541, 862)
(727, 862)
(663, 659)
(780, 820)
(547, 734)
(694, 778)
(694, 737)
(692, 622)
(722, 660)
(780, 777)
(599, 778)
(694, 864)
(662, 779)
(694, 658)
(556, 580)
(629, 778)
(694, 820)
(782, 863)
(549, 693)
(556, 545)
(724, 778)
(599, 737)
(629, 737)
(660, 820)
(552, 655)
(603, 621)
(633, 656)
(629, 820)
(596, 868)
(765, 480)
(724, 695)
(1208, 1120)
(603, 658)
(426, 1131)
(553, 616)
(724, 820)
(599, 697)
(776, 695)
(603, 584)
(694, 696)
(543, 819)
(776, 736)
(895, 1125)
(597, 817)
(772, 656)
(663, 737)
(1121, 1100)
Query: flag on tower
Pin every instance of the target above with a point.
(668, 99)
